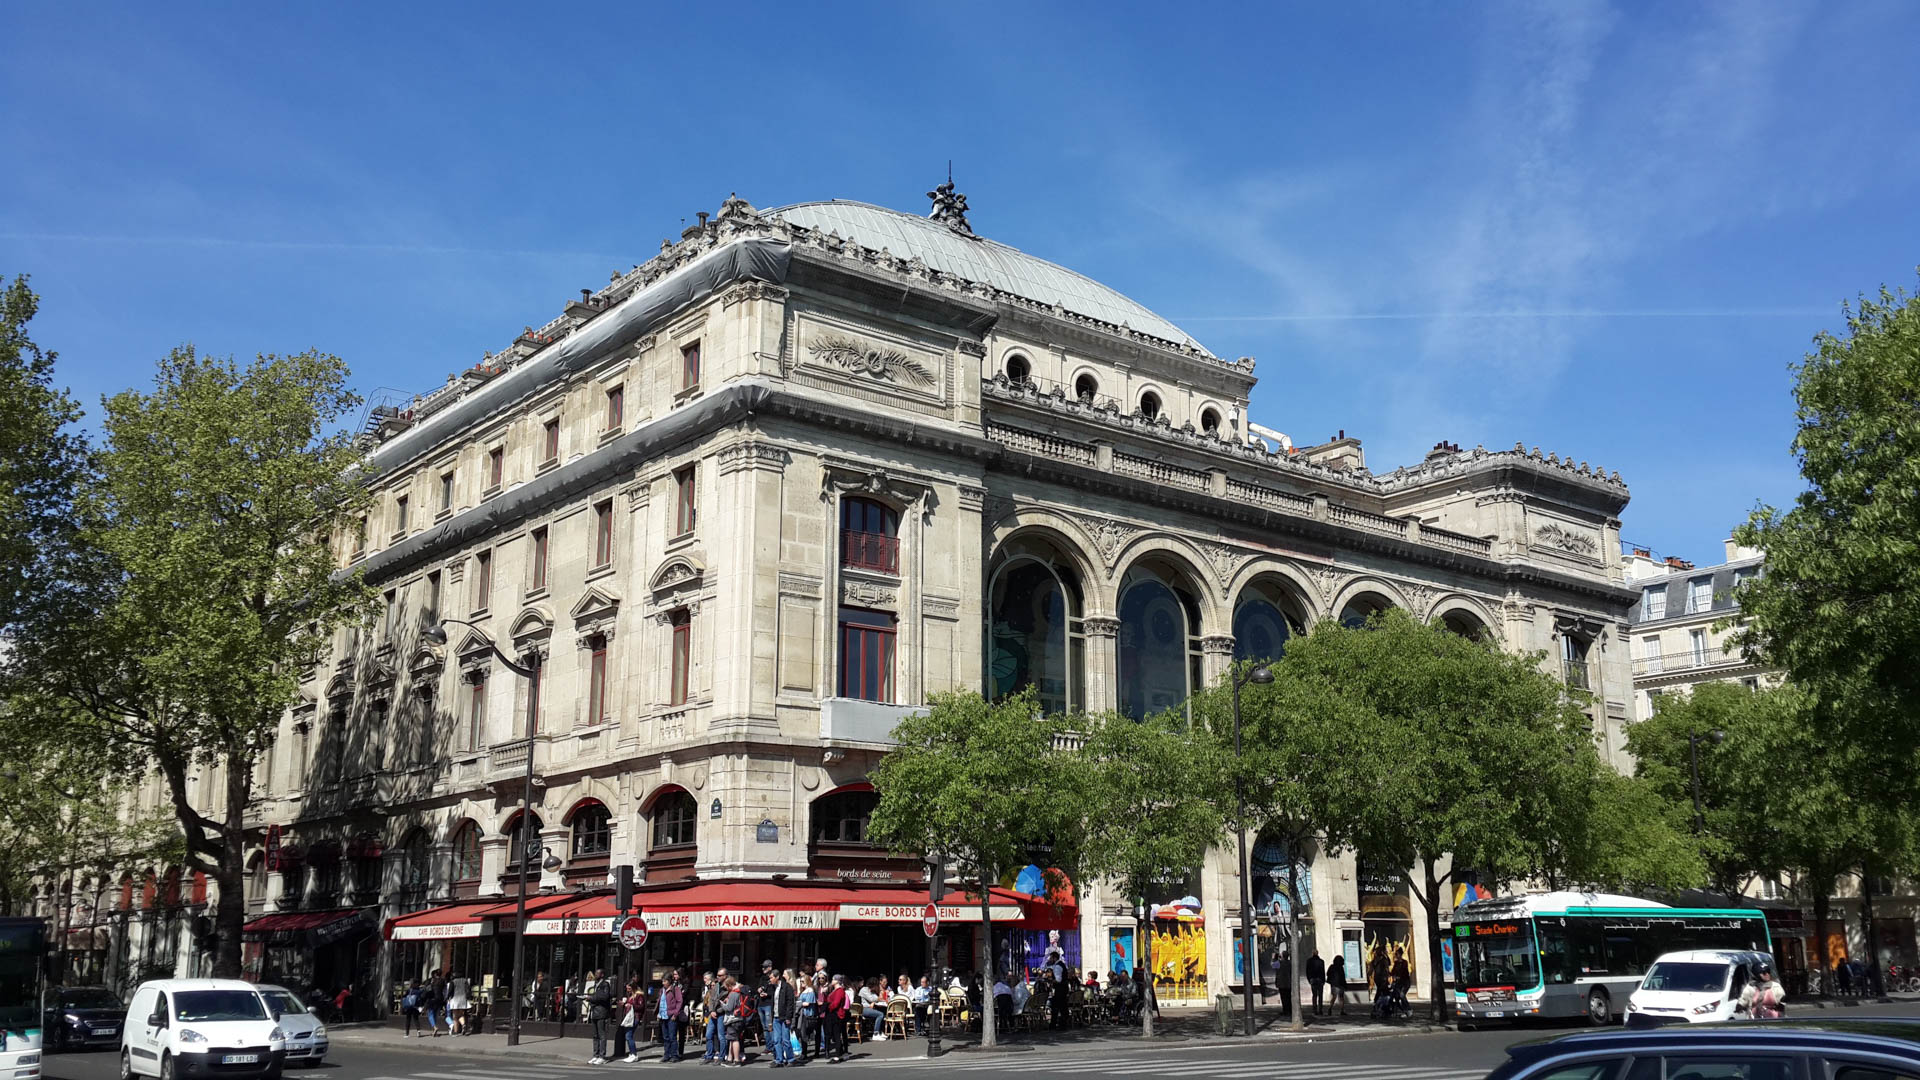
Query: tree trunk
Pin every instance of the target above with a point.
(1293, 936)
(987, 1032)
(230, 912)
(1873, 943)
(1436, 978)
(1143, 956)
(1820, 935)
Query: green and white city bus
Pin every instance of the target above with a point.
(23, 954)
(1577, 954)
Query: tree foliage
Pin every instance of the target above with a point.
(211, 582)
(42, 461)
(1839, 604)
(982, 785)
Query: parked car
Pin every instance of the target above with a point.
(83, 1018)
(179, 1028)
(1700, 986)
(306, 1033)
(1874, 1049)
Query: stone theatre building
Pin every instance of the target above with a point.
(753, 501)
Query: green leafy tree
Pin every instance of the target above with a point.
(212, 582)
(1145, 793)
(42, 461)
(1839, 604)
(1420, 748)
(979, 785)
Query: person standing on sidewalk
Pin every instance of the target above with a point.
(599, 1001)
(763, 999)
(410, 1009)
(1317, 979)
(1337, 982)
(673, 1010)
(734, 1010)
(834, 1013)
(433, 999)
(711, 994)
(459, 989)
(633, 1010)
(783, 1009)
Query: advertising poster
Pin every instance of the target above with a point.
(1120, 949)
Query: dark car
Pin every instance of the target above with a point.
(1810, 1049)
(84, 1017)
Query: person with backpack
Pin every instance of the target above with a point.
(834, 1012)
(673, 1012)
(736, 1008)
(599, 995)
(1337, 982)
(432, 998)
(410, 1009)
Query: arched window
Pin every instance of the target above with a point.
(256, 879)
(592, 830)
(841, 817)
(1465, 624)
(533, 845)
(869, 535)
(1263, 621)
(674, 814)
(1159, 640)
(1018, 370)
(1086, 388)
(1150, 405)
(1034, 632)
(1363, 607)
(466, 852)
(1210, 421)
(416, 856)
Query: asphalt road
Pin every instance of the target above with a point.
(1444, 1055)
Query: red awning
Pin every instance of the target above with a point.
(285, 922)
(758, 905)
(464, 919)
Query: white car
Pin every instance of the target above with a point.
(183, 1028)
(306, 1034)
(1697, 987)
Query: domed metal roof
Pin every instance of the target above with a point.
(977, 259)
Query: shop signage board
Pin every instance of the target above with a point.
(632, 933)
(930, 920)
(442, 931)
(661, 922)
(1002, 913)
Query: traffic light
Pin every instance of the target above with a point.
(623, 888)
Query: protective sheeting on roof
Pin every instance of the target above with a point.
(987, 261)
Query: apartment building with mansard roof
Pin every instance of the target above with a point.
(1681, 620)
(749, 503)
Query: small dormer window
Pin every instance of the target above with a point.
(1210, 421)
(1085, 388)
(1018, 370)
(1150, 405)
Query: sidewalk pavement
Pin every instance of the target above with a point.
(1177, 1028)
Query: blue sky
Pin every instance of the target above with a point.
(1605, 230)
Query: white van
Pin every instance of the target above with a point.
(178, 1028)
(1698, 987)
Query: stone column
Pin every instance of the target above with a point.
(1217, 657)
(493, 863)
(1103, 663)
(440, 872)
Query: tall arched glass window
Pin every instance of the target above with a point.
(592, 827)
(673, 817)
(1034, 632)
(1361, 608)
(466, 852)
(1263, 621)
(1159, 641)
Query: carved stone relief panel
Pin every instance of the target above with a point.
(869, 359)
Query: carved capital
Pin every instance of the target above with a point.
(639, 495)
(1217, 644)
(970, 348)
(752, 454)
(1099, 626)
(972, 498)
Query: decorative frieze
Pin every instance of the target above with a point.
(1561, 538)
(876, 361)
(752, 454)
(870, 594)
(1109, 537)
(803, 585)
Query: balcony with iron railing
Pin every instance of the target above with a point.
(870, 551)
(1691, 660)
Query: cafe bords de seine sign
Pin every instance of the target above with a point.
(823, 918)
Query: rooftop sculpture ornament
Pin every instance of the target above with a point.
(950, 208)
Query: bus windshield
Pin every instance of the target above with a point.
(1495, 954)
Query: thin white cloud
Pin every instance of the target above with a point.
(357, 247)
(1560, 313)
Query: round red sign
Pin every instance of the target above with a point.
(632, 932)
(930, 920)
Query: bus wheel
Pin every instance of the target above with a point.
(1599, 1008)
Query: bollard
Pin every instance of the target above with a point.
(1223, 1010)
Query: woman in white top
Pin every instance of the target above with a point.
(459, 989)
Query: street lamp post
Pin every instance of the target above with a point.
(936, 882)
(438, 635)
(1249, 970)
(1693, 760)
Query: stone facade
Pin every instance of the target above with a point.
(656, 487)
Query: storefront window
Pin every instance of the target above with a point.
(1159, 641)
(1034, 632)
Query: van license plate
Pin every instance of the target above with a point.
(1496, 1014)
(240, 1059)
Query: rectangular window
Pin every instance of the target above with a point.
(496, 466)
(1653, 603)
(1698, 641)
(539, 577)
(682, 658)
(686, 507)
(616, 408)
(389, 612)
(1573, 662)
(476, 710)
(689, 365)
(866, 654)
(482, 580)
(602, 534)
(400, 514)
(360, 537)
(597, 682)
(550, 435)
(536, 668)
(1650, 655)
(1699, 595)
(446, 491)
(433, 596)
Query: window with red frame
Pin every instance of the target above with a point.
(466, 852)
(199, 893)
(686, 507)
(616, 407)
(496, 466)
(597, 682)
(689, 365)
(682, 657)
(551, 431)
(539, 558)
(869, 536)
(602, 534)
(866, 654)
